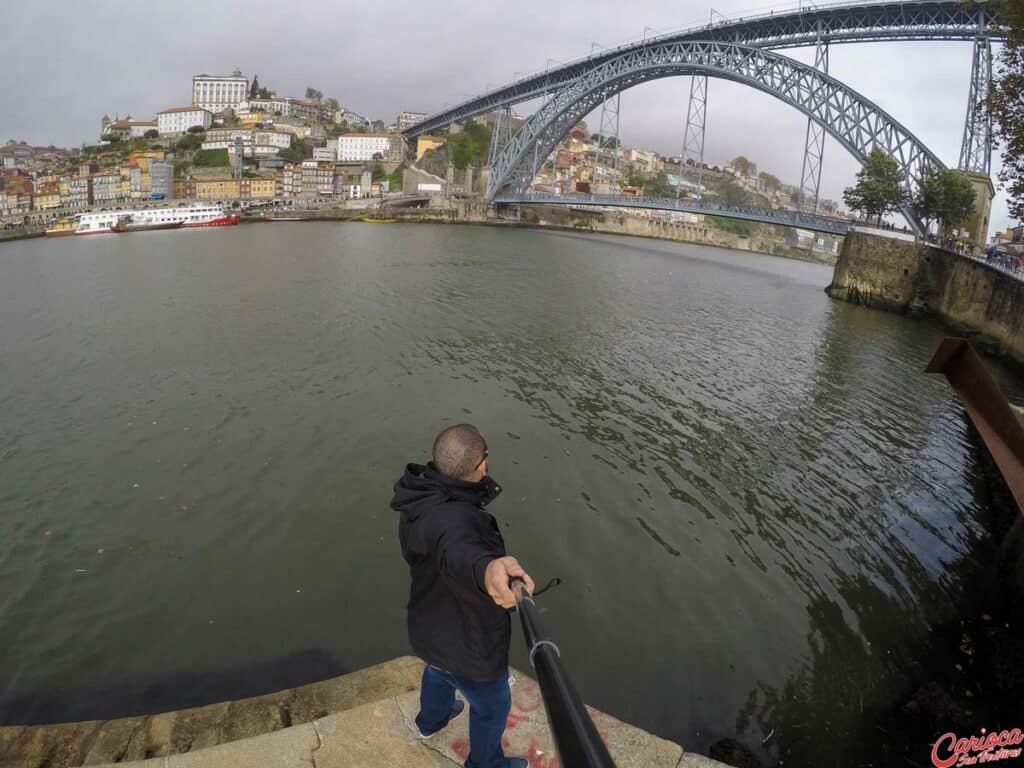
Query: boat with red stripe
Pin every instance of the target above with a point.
(144, 219)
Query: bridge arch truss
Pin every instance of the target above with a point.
(853, 120)
(855, 22)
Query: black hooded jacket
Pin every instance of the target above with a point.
(448, 539)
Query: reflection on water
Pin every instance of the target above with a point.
(754, 497)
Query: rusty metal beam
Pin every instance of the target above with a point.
(987, 408)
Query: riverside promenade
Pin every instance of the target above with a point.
(360, 720)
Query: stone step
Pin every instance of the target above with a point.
(133, 738)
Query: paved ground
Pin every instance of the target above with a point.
(370, 727)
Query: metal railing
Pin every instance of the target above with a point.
(579, 744)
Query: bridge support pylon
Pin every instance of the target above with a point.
(814, 143)
(609, 127)
(976, 149)
(693, 132)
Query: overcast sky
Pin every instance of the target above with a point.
(69, 62)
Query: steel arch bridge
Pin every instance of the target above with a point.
(854, 121)
(843, 23)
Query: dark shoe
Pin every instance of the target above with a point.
(457, 709)
(517, 762)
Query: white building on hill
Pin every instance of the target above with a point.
(361, 147)
(219, 92)
(180, 119)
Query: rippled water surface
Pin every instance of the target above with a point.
(753, 495)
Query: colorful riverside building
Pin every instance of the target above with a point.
(110, 187)
(46, 196)
(261, 187)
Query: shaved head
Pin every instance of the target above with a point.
(459, 450)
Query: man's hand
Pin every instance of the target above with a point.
(497, 576)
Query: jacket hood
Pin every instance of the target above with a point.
(422, 487)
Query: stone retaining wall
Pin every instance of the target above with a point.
(915, 278)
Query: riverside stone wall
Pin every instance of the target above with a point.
(914, 278)
(766, 238)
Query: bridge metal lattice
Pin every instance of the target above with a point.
(976, 149)
(814, 144)
(608, 127)
(853, 120)
(847, 23)
(693, 131)
(501, 132)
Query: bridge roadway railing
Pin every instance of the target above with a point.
(781, 216)
(843, 22)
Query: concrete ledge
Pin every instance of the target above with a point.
(134, 738)
(373, 733)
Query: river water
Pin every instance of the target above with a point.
(755, 498)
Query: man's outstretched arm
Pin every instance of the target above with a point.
(463, 557)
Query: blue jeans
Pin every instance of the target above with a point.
(489, 705)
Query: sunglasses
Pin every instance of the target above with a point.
(486, 454)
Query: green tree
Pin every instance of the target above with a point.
(879, 187)
(197, 129)
(152, 133)
(255, 89)
(735, 226)
(744, 166)
(771, 181)
(313, 94)
(189, 141)
(658, 186)
(958, 199)
(470, 146)
(395, 177)
(731, 193)
(1005, 102)
(927, 199)
(299, 150)
(332, 104)
(211, 158)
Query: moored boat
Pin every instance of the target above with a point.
(184, 217)
(128, 224)
(61, 228)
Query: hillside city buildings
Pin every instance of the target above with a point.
(237, 141)
(408, 119)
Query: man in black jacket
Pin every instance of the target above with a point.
(459, 598)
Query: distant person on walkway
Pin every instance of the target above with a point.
(459, 599)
